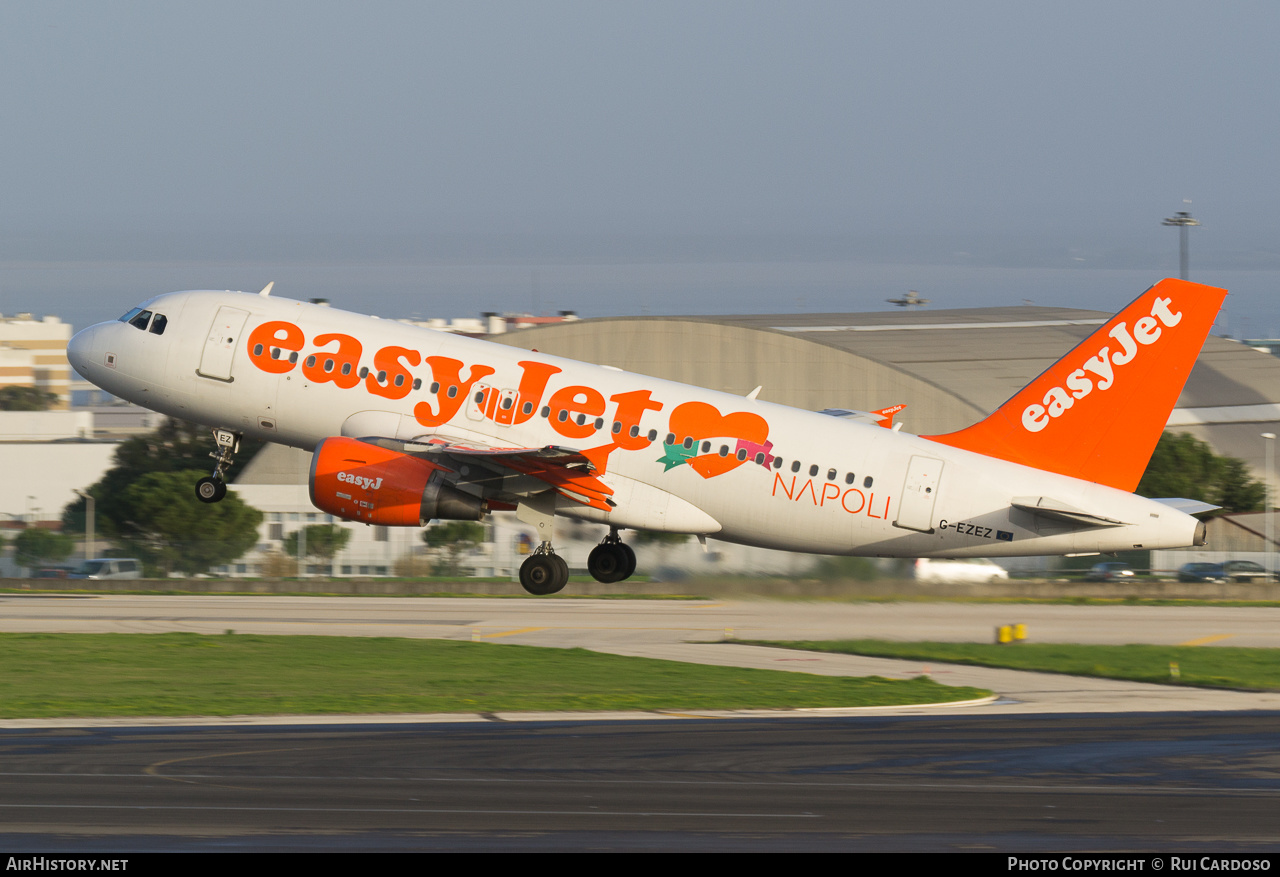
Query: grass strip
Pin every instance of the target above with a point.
(1200, 666)
(181, 674)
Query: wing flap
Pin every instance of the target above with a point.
(569, 472)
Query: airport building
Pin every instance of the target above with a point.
(33, 353)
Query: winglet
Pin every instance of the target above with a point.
(266, 290)
(1097, 413)
(886, 415)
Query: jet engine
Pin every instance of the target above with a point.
(358, 481)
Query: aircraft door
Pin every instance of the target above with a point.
(919, 493)
(504, 412)
(220, 346)
(482, 397)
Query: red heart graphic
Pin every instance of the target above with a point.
(698, 420)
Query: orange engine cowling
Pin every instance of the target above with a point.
(358, 481)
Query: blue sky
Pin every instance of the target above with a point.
(448, 158)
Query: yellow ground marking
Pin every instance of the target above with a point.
(511, 632)
(1205, 640)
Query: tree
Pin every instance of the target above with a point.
(323, 541)
(1184, 466)
(172, 531)
(34, 547)
(175, 446)
(452, 538)
(15, 398)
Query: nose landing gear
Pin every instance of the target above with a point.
(612, 560)
(214, 487)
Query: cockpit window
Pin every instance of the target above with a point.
(141, 320)
(128, 318)
(158, 324)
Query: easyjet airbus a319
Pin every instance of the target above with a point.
(409, 425)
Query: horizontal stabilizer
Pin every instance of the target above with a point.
(1188, 506)
(1048, 507)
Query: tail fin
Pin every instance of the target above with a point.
(1097, 413)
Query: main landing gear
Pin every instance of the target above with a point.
(544, 572)
(612, 560)
(214, 487)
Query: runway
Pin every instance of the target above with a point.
(1003, 783)
(1059, 763)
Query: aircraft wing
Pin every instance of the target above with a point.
(882, 417)
(507, 475)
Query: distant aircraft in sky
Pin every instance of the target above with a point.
(408, 425)
(911, 300)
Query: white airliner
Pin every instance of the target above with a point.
(409, 425)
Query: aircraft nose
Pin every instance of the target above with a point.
(80, 350)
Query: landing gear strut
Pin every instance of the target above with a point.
(612, 560)
(214, 487)
(544, 572)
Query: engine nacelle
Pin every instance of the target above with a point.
(361, 482)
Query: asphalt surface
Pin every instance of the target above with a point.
(1056, 763)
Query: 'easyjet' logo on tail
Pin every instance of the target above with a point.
(1099, 371)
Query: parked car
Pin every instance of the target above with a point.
(1229, 571)
(1111, 571)
(958, 571)
(109, 568)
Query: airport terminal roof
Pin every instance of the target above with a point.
(951, 367)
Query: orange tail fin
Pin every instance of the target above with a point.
(1097, 413)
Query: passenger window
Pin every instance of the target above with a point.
(399, 378)
(688, 443)
(671, 438)
(848, 477)
(311, 361)
(158, 324)
(866, 482)
(653, 435)
(599, 423)
(546, 410)
(706, 447)
(479, 396)
(417, 382)
(831, 474)
(777, 462)
(617, 427)
(760, 458)
(813, 470)
(257, 350)
(435, 386)
(742, 453)
(453, 391)
(328, 365)
(724, 450)
(364, 372)
(507, 403)
(795, 466)
(527, 408)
